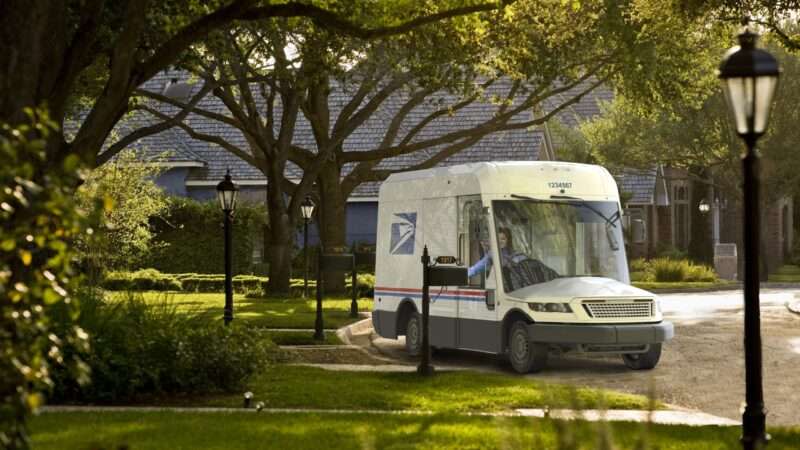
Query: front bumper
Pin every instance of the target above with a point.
(623, 334)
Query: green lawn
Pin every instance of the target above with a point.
(288, 386)
(247, 430)
(262, 312)
(292, 337)
(786, 274)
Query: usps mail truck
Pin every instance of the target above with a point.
(543, 246)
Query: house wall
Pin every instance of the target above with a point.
(664, 218)
(776, 229)
(173, 181)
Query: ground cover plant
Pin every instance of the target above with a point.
(246, 430)
(139, 348)
(670, 270)
(270, 312)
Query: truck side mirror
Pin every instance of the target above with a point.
(490, 299)
(638, 231)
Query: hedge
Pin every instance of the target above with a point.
(189, 238)
(254, 286)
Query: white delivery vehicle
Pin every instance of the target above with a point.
(544, 247)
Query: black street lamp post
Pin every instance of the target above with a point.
(749, 77)
(307, 210)
(227, 193)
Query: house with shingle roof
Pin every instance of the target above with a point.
(659, 200)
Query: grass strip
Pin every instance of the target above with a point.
(303, 338)
(288, 386)
(170, 430)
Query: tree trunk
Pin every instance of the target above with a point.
(31, 42)
(281, 237)
(333, 222)
(700, 241)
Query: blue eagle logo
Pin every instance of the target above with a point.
(404, 226)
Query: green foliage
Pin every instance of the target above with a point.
(141, 280)
(189, 237)
(39, 221)
(140, 348)
(670, 270)
(126, 189)
(253, 286)
(786, 274)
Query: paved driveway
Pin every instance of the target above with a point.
(702, 368)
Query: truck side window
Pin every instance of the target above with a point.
(473, 237)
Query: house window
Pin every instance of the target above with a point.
(680, 215)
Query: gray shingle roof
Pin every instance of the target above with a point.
(640, 184)
(511, 145)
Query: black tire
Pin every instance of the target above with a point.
(643, 361)
(414, 334)
(525, 356)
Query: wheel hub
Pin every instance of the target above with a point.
(519, 347)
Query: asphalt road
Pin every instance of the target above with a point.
(702, 368)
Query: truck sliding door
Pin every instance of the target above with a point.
(439, 217)
(477, 327)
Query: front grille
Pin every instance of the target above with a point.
(619, 310)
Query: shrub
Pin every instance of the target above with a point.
(251, 285)
(140, 348)
(639, 265)
(675, 270)
(670, 251)
(189, 238)
(39, 222)
(667, 269)
(141, 280)
(701, 273)
(641, 276)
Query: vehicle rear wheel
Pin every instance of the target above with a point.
(525, 356)
(643, 361)
(414, 334)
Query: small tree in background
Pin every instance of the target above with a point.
(129, 196)
(38, 220)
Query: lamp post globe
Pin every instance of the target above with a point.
(228, 194)
(307, 211)
(703, 207)
(749, 77)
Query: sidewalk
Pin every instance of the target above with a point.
(666, 417)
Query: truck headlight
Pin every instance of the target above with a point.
(550, 307)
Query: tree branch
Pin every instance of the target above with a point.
(206, 137)
(331, 21)
(153, 129)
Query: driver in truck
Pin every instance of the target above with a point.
(505, 249)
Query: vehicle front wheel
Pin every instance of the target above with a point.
(414, 334)
(525, 356)
(643, 361)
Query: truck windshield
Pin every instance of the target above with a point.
(540, 240)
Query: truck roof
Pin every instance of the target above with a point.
(540, 179)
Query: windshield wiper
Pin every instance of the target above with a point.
(609, 220)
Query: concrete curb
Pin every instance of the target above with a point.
(345, 334)
(667, 417)
(793, 306)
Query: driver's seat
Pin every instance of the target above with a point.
(525, 273)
